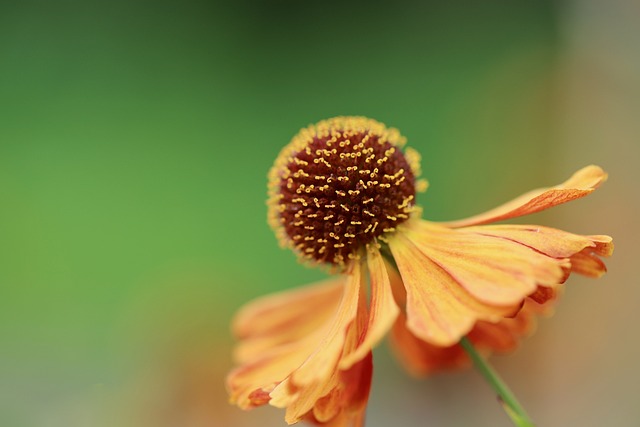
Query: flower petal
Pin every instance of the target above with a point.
(316, 376)
(343, 396)
(494, 270)
(550, 241)
(604, 245)
(439, 310)
(586, 263)
(421, 358)
(346, 403)
(277, 319)
(263, 315)
(249, 385)
(544, 294)
(269, 373)
(383, 308)
(579, 185)
(583, 251)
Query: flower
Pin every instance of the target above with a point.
(342, 194)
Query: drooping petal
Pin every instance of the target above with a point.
(346, 394)
(284, 317)
(329, 350)
(342, 391)
(604, 245)
(544, 294)
(582, 251)
(587, 261)
(550, 241)
(502, 336)
(249, 384)
(346, 403)
(383, 308)
(316, 376)
(421, 358)
(494, 270)
(341, 399)
(342, 420)
(587, 264)
(579, 185)
(263, 315)
(439, 310)
(507, 334)
(272, 376)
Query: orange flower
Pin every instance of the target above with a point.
(342, 194)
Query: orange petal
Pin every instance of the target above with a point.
(346, 403)
(278, 337)
(604, 245)
(277, 319)
(579, 185)
(588, 264)
(263, 315)
(338, 399)
(494, 270)
(549, 241)
(502, 336)
(543, 294)
(250, 384)
(583, 251)
(313, 378)
(421, 358)
(506, 335)
(439, 310)
(383, 308)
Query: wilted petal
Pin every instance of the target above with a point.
(579, 185)
(439, 310)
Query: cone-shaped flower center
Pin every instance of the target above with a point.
(338, 185)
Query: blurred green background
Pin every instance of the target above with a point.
(135, 138)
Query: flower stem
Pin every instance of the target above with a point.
(509, 402)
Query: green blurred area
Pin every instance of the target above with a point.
(135, 138)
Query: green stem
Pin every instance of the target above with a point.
(509, 402)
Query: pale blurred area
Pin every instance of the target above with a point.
(153, 350)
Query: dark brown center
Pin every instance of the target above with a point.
(341, 192)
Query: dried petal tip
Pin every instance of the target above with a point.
(338, 185)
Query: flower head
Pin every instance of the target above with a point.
(338, 186)
(342, 194)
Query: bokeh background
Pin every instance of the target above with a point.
(135, 137)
